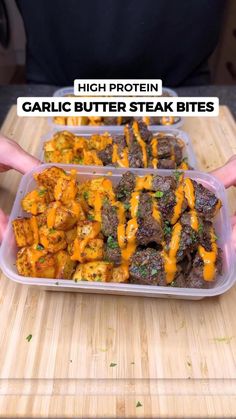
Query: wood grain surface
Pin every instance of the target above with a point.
(107, 356)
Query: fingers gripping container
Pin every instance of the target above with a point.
(187, 150)
(222, 225)
(67, 91)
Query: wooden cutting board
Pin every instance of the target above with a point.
(108, 356)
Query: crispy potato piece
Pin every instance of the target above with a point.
(71, 235)
(66, 189)
(60, 217)
(120, 274)
(77, 210)
(65, 266)
(94, 271)
(62, 140)
(35, 263)
(99, 141)
(59, 120)
(49, 177)
(92, 188)
(36, 202)
(88, 229)
(52, 240)
(23, 232)
(93, 250)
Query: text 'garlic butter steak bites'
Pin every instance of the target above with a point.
(137, 147)
(151, 230)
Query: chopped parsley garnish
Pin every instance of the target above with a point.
(41, 260)
(216, 237)
(42, 192)
(112, 243)
(139, 404)
(90, 217)
(112, 364)
(78, 160)
(39, 247)
(173, 284)
(154, 271)
(86, 195)
(105, 200)
(200, 228)
(177, 174)
(52, 230)
(167, 228)
(127, 206)
(158, 194)
(138, 213)
(29, 337)
(142, 270)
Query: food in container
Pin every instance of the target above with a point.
(136, 147)
(147, 230)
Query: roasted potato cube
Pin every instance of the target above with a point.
(88, 229)
(60, 217)
(36, 202)
(120, 274)
(48, 178)
(94, 271)
(91, 252)
(66, 189)
(71, 235)
(35, 263)
(99, 142)
(76, 208)
(59, 120)
(65, 266)
(51, 239)
(23, 232)
(63, 140)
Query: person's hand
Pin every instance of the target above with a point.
(227, 175)
(12, 156)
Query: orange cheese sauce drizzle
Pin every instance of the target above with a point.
(209, 259)
(179, 196)
(141, 142)
(144, 183)
(170, 262)
(190, 196)
(123, 160)
(51, 215)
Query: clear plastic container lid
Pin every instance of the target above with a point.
(187, 150)
(65, 91)
(222, 226)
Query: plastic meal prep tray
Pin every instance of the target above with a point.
(187, 151)
(64, 91)
(222, 226)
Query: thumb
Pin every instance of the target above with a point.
(3, 224)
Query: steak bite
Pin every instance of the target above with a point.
(149, 229)
(113, 252)
(105, 155)
(196, 279)
(164, 183)
(125, 187)
(109, 220)
(147, 268)
(206, 203)
(166, 164)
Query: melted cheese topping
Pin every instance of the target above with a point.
(143, 183)
(172, 153)
(154, 145)
(194, 220)
(209, 259)
(141, 142)
(154, 163)
(189, 192)
(98, 206)
(121, 235)
(179, 196)
(51, 215)
(131, 230)
(170, 262)
(34, 227)
(134, 202)
(122, 161)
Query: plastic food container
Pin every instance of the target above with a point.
(222, 226)
(65, 91)
(187, 151)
